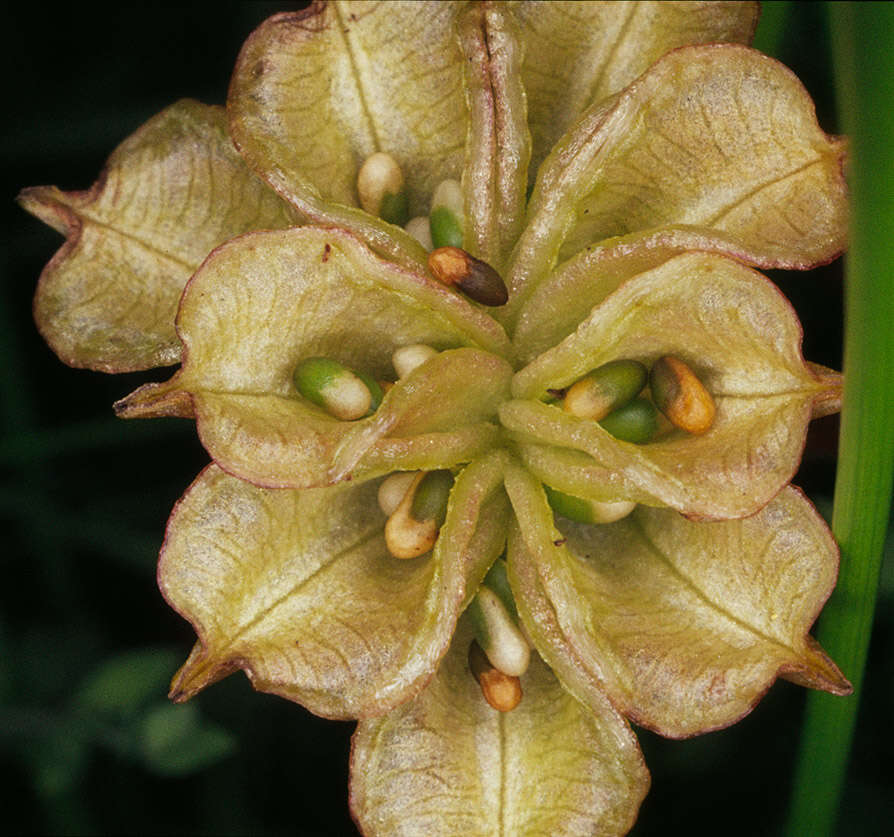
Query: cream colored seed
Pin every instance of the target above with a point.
(449, 194)
(379, 175)
(405, 536)
(611, 512)
(418, 227)
(498, 635)
(407, 358)
(393, 489)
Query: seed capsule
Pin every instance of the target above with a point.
(407, 358)
(497, 633)
(380, 187)
(502, 691)
(607, 388)
(635, 422)
(582, 510)
(344, 394)
(681, 396)
(475, 278)
(412, 529)
(447, 215)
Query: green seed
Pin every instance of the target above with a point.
(395, 208)
(635, 422)
(582, 510)
(605, 389)
(498, 581)
(432, 494)
(446, 229)
(335, 388)
(375, 391)
(498, 634)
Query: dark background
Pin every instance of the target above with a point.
(88, 744)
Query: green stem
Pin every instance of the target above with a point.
(862, 34)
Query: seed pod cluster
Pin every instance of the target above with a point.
(610, 395)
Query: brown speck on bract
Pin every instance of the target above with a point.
(326, 251)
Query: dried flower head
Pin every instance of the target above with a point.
(495, 499)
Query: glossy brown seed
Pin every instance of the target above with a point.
(475, 278)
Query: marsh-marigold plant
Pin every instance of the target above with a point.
(502, 417)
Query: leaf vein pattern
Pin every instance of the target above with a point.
(692, 586)
(301, 583)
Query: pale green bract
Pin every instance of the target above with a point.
(624, 166)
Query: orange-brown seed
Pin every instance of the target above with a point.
(681, 396)
(502, 691)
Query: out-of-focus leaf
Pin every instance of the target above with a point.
(168, 195)
(126, 683)
(684, 625)
(299, 589)
(739, 334)
(447, 763)
(175, 741)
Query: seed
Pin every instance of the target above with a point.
(605, 389)
(581, 510)
(447, 215)
(431, 495)
(418, 227)
(635, 422)
(498, 581)
(407, 358)
(412, 528)
(502, 691)
(376, 392)
(497, 633)
(380, 187)
(344, 394)
(475, 278)
(681, 396)
(393, 489)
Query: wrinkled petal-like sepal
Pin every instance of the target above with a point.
(740, 335)
(495, 176)
(715, 137)
(168, 195)
(558, 304)
(266, 301)
(580, 53)
(448, 764)
(684, 624)
(315, 92)
(298, 589)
